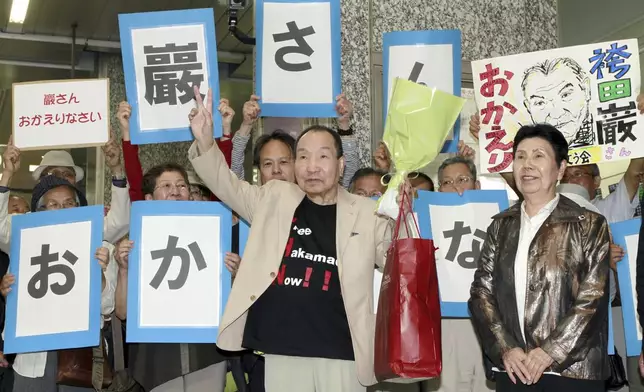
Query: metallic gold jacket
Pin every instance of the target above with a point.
(566, 309)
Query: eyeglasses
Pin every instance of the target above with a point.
(370, 194)
(54, 205)
(166, 188)
(575, 174)
(459, 181)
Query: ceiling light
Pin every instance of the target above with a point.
(18, 11)
(32, 168)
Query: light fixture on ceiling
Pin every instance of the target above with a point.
(18, 11)
(32, 168)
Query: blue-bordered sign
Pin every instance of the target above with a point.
(626, 235)
(165, 54)
(298, 57)
(431, 57)
(61, 310)
(457, 218)
(169, 304)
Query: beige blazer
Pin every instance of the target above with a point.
(362, 239)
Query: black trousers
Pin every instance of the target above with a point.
(549, 383)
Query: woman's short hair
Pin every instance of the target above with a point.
(150, 178)
(546, 132)
(277, 135)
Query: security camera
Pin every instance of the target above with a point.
(236, 4)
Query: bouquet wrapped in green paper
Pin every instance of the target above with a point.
(418, 122)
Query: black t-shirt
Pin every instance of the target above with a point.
(302, 312)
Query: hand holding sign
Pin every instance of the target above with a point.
(123, 114)
(112, 153)
(5, 286)
(122, 253)
(201, 123)
(251, 110)
(344, 108)
(11, 157)
(227, 115)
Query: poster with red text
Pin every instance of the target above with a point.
(587, 92)
(60, 114)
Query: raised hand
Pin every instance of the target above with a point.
(201, 123)
(103, 257)
(227, 115)
(123, 114)
(251, 110)
(475, 126)
(344, 108)
(381, 158)
(11, 157)
(112, 153)
(122, 253)
(466, 151)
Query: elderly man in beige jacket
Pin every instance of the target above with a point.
(304, 290)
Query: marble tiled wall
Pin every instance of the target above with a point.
(489, 28)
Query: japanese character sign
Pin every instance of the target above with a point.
(459, 239)
(626, 235)
(298, 44)
(58, 279)
(412, 55)
(587, 92)
(177, 260)
(165, 55)
(60, 114)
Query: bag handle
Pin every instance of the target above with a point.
(405, 201)
(117, 344)
(98, 359)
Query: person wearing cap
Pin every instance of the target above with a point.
(37, 371)
(60, 163)
(116, 223)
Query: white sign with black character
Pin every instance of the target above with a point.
(431, 58)
(458, 225)
(298, 57)
(177, 283)
(55, 302)
(166, 54)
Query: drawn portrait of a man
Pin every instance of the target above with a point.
(557, 92)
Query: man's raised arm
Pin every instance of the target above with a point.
(210, 165)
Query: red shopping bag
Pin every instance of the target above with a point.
(408, 322)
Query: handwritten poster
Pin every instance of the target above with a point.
(60, 114)
(588, 92)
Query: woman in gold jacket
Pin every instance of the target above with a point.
(539, 300)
